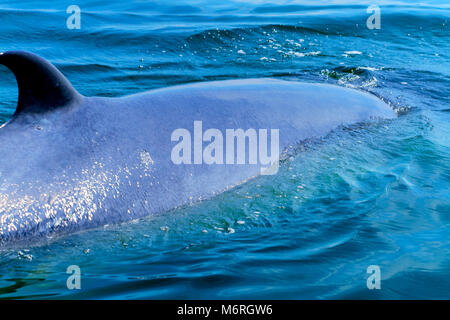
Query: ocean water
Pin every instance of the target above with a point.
(374, 193)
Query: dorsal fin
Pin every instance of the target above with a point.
(42, 87)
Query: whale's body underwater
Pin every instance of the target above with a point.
(71, 162)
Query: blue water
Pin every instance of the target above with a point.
(370, 194)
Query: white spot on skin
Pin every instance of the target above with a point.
(146, 160)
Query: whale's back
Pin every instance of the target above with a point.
(93, 161)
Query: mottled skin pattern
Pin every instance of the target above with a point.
(71, 162)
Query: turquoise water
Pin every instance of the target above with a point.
(370, 194)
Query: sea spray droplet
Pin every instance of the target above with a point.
(23, 255)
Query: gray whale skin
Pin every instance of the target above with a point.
(71, 162)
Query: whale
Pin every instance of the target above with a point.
(71, 162)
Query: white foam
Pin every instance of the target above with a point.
(353, 52)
